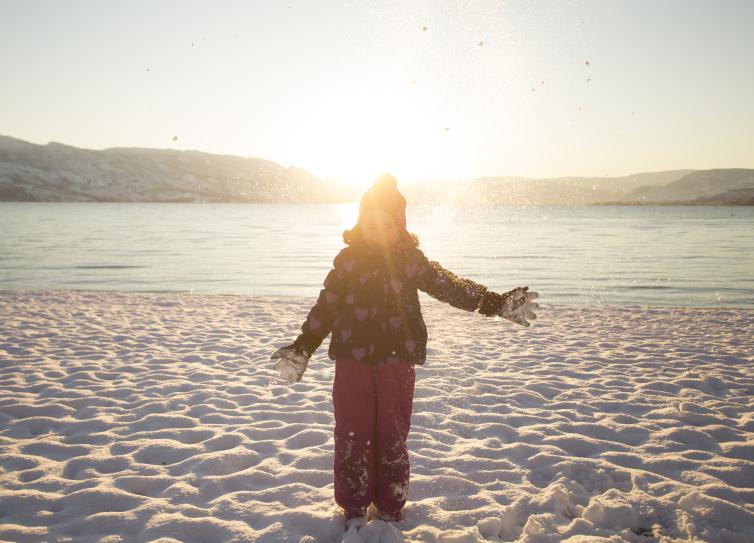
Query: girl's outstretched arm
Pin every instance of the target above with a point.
(516, 305)
(319, 322)
(446, 286)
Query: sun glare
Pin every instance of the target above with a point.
(349, 213)
(354, 134)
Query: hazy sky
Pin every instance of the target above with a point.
(349, 89)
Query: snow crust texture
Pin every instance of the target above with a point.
(159, 417)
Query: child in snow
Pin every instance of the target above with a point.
(371, 305)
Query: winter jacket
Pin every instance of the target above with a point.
(371, 304)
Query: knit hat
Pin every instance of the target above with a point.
(384, 195)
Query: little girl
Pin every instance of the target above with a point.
(371, 305)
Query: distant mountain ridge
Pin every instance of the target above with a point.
(61, 173)
(700, 185)
(57, 172)
(525, 191)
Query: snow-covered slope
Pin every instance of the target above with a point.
(697, 185)
(525, 191)
(57, 172)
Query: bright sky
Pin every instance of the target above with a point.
(349, 89)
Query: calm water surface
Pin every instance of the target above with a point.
(668, 256)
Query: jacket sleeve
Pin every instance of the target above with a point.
(446, 286)
(319, 322)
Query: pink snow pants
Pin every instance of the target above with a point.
(372, 407)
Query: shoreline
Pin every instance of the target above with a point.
(313, 297)
(660, 203)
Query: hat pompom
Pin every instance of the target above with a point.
(386, 181)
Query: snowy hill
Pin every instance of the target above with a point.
(743, 197)
(57, 172)
(525, 191)
(699, 185)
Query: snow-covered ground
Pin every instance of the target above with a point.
(157, 416)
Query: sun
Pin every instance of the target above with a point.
(356, 133)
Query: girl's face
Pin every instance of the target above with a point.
(379, 229)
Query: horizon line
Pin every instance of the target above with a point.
(414, 181)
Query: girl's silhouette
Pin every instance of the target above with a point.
(370, 303)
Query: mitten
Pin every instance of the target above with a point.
(291, 362)
(516, 305)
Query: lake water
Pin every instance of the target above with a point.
(657, 256)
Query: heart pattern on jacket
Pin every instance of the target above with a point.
(372, 308)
